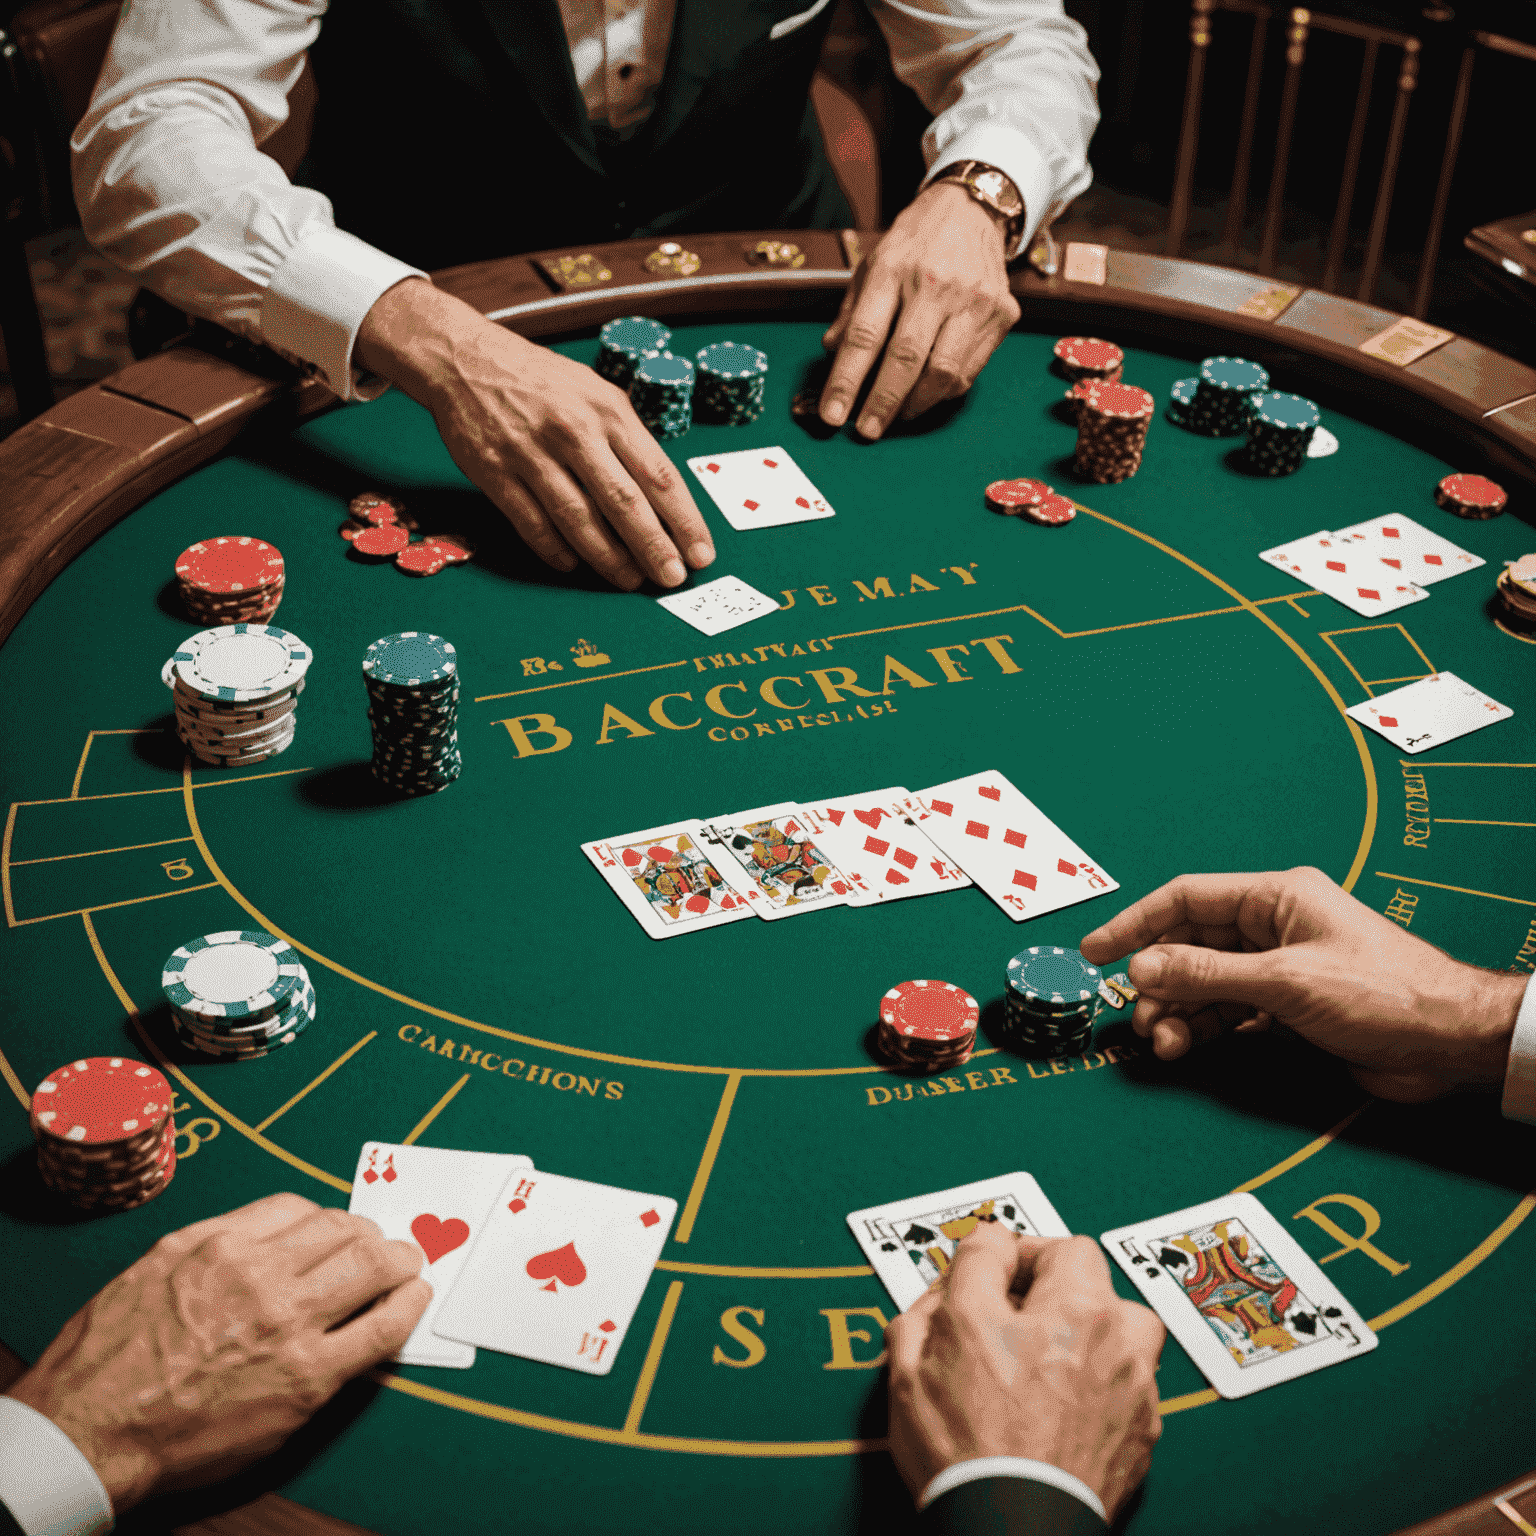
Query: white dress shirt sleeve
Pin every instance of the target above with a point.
(172, 185)
(1520, 1075)
(1011, 1466)
(45, 1480)
(1010, 82)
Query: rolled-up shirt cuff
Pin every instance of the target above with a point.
(46, 1482)
(317, 302)
(1011, 1466)
(1520, 1074)
(1015, 156)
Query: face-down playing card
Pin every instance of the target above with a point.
(437, 1199)
(1009, 846)
(558, 1270)
(881, 849)
(1240, 1294)
(668, 881)
(909, 1243)
(772, 855)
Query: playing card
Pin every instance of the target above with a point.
(1337, 569)
(759, 488)
(1240, 1294)
(879, 847)
(772, 857)
(668, 880)
(437, 1199)
(558, 1270)
(1429, 713)
(718, 605)
(1009, 846)
(1409, 550)
(909, 1243)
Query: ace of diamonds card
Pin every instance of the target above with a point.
(558, 1270)
(1240, 1294)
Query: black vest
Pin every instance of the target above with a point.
(453, 130)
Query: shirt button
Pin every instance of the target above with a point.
(625, 71)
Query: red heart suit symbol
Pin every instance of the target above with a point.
(435, 1238)
(699, 902)
(870, 818)
(560, 1266)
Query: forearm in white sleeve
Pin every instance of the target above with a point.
(172, 186)
(1520, 1075)
(45, 1480)
(1010, 82)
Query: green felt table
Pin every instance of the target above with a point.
(1171, 701)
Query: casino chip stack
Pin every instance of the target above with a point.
(106, 1138)
(1280, 429)
(662, 394)
(237, 692)
(1517, 596)
(730, 384)
(1223, 395)
(621, 344)
(1011, 497)
(1049, 1007)
(1086, 357)
(1181, 396)
(230, 580)
(1471, 496)
(1112, 422)
(413, 706)
(239, 994)
(927, 1026)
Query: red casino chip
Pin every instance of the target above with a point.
(100, 1099)
(422, 559)
(1121, 402)
(349, 531)
(1010, 496)
(452, 548)
(1473, 496)
(234, 563)
(929, 1010)
(381, 543)
(378, 514)
(1090, 354)
(1052, 512)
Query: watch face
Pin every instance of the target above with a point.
(994, 185)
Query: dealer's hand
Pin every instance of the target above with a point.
(934, 294)
(1292, 947)
(557, 448)
(222, 1340)
(1025, 1350)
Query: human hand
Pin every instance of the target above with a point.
(222, 1340)
(934, 294)
(1024, 1349)
(557, 448)
(1244, 950)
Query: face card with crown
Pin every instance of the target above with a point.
(1009, 846)
(437, 1199)
(558, 1270)
(880, 848)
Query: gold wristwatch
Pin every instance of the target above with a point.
(993, 190)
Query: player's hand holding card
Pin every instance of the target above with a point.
(1429, 713)
(759, 488)
(881, 849)
(772, 856)
(1240, 1294)
(437, 1199)
(910, 1242)
(558, 1270)
(668, 881)
(1009, 846)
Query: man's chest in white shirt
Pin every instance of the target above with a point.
(619, 51)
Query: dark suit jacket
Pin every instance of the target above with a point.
(1008, 1506)
(453, 130)
(8, 1525)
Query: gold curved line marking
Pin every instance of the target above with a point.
(234, 1122)
(1310, 1150)
(759, 1272)
(597, 677)
(653, 1358)
(638, 1439)
(14, 1084)
(1460, 890)
(1368, 830)
(1458, 1271)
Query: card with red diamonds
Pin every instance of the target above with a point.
(876, 842)
(1434, 710)
(759, 488)
(1009, 846)
(558, 1270)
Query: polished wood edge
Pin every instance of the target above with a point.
(1482, 1516)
